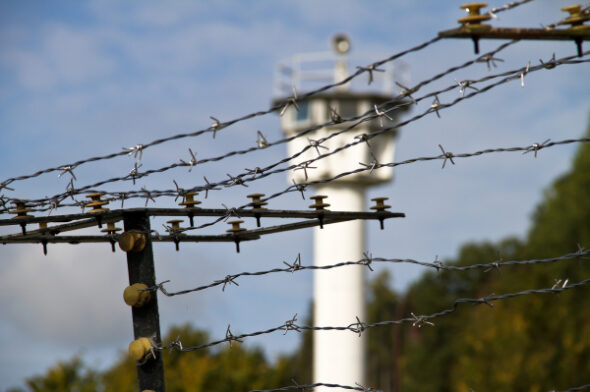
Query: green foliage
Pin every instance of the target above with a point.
(66, 376)
(523, 344)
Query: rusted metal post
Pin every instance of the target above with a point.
(146, 320)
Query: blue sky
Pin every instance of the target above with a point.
(81, 79)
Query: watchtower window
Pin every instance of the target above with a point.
(303, 113)
(348, 109)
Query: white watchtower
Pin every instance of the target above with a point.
(339, 294)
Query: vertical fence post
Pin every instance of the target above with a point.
(146, 320)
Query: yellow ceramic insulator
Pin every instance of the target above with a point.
(175, 224)
(135, 295)
(139, 348)
(256, 203)
(189, 200)
(380, 204)
(474, 17)
(96, 203)
(319, 204)
(132, 241)
(235, 226)
(111, 229)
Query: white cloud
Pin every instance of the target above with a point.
(72, 296)
(63, 56)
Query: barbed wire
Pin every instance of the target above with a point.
(218, 125)
(367, 261)
(242, 178)
(298, 387)
(359, 326)
(358, 387)
(535, 148)
(573, 389)
(135, 174)
(137, 150)
(506, 7)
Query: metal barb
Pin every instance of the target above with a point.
(148, 196)
(304, 166)
(53, 204)
(372, 165)
(523, 73)
(290, 325)
(365, 138)
(370, 69)
(158, 286)
(235, 181)
(261, 140)
(550, 64)
(70, 189)
(335, 116)
(209, 187)
(559, 284)
(300, 188)
(536, 147)
(134, 173)
(216, 125)
(489, 60)
(365, 389)
(407, 92)
(230, 212)
(192, 162)
(464, 84)
(4, 185)
(179, 191)
(368, 259)
(420, 321)
(317, 145)
(257, 170)
(229, 337)
(435, 105)
(229, 280)
(290, 102)
(494, 265)
(438, 264)
(296, 264)
(136, 151)
(67, 169)
(122, 196)
(380, 114)
(358, 327)
(447, 155)
(486, 300)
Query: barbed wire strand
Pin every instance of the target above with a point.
(219, 125)
(301, 186)
(241, 178)
(359, 327)
(300, 387)
(367, 261)
(135, 174)
(535, 147)
(139, 148)
(310, 387)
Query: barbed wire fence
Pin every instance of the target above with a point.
(138, 235)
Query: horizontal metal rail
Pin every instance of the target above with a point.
(516, 33)
(315, 218)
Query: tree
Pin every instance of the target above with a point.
(522, 344)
